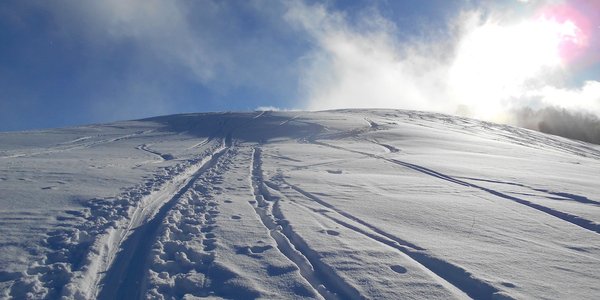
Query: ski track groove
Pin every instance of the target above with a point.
(130, 269)
(289, 120)
(353, 218)
(79, 257)
(446, 273)
(161, 156)
(321, 277)
(197, 209)
(387, 242)
(565, 196)
(200, 144)
(389, 148)
(56, 149)
(150, 228)
(518, 136)
(563, 216)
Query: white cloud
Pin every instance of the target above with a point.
(584, 99)
(366, 66)
(165, 51)
(160, 28)
(480, 64)
(484, 66)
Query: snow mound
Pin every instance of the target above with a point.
(344, 204)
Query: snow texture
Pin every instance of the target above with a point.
(344, 204)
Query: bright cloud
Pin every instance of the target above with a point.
(162, 27)
(349, 68)
(495, 62)
(584, 99)
(489, 68)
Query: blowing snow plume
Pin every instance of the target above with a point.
(580, 126)
(485, 63)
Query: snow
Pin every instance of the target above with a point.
(342, 204)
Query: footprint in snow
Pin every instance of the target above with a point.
(253, 251)
(334, 171)
(273, 270)
(209, 244)
(398, 269)
(207, 229)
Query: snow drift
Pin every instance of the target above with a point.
(343, 204)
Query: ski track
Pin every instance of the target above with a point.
(83, 138)
(128, 268)
(77, 257)
(190, 222)
(323, 280)
(51, 150)
(262, 113)
(561, 195)
(289, 120)
(389, 148)
(162, 157)
(449, 275)
(200, 144)
(519, 136)
(111, 259)
(566, 217)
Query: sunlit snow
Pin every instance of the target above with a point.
(344, 204)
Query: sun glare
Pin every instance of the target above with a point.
(495, 61)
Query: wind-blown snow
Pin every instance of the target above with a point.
(343, 204)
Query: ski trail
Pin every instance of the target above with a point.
(389, 148)
(455, 278)
(563, 195)
(566, 217)
(90, 144)
(83, 138)
(573, 219)
(262, 113)
(353, 218)
(514, 135)
(289, 120)
(89, 249)
(127, 268)
(192, 256)
(200, 144)
(162, 157)
(323, 280)
(372, 124)
(365, 231)
(194, 246)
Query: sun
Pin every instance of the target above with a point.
(494, 61)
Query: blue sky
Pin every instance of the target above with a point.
(67, 62)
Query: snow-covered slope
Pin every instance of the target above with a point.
(342, 204)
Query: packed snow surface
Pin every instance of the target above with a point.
(345, 204)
